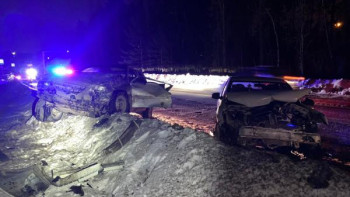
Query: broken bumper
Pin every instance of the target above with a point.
(273, 137)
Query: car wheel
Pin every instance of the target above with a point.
(45, 113)
(311, 127)
(147, 113)
(120, 103)
(226, 133)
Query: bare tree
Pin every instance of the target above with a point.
(222, 21)
(261, 33)
(326, 32)
(300, 24)
(276, 38)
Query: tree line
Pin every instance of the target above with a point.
(306, 37)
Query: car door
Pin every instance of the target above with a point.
(148, 93)
(222, 94)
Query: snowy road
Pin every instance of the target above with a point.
(192, 104)
(196, 110)
(334, 114)
(203, 97)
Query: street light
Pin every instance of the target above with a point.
(338, 25)
(13, 53)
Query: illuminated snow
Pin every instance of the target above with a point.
(215, 82)
(160, 160)
(191, 82)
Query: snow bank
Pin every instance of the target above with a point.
(160, 160)
(74, 141)
(202, 82)
(191, 82)
(339, 87)
(163, 161)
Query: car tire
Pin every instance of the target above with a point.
(226, 134)
(120, 103)
(311, 127)
(147, 113)
(45, 113)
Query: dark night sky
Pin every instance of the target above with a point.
(183, 33)
(36, 25)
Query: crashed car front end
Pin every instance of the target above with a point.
(93, 95)
(75, 98)
(272, 118)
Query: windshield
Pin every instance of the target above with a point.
(236, 86)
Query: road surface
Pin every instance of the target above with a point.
(196, 110)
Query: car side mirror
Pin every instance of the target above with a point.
(216, 95)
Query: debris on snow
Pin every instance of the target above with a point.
(158, 160)
(77, 190)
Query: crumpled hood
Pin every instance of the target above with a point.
(256, 99)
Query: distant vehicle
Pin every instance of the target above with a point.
(266, 111)
(3, 78)
(94, 93)
(5, 75)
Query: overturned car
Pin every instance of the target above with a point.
(91, 93)
(267, 112)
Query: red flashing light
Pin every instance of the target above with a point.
(69, 71)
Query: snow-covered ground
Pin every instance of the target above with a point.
(331, 87)
(323, 87)
(160, 159)
(191, 82)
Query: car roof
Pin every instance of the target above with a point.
(256, 79)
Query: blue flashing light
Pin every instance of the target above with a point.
(291, 125)
(62, 71)
(59, 71)
(264, 75)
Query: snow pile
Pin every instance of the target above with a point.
(203, 82)
(191, 82)
(72, 142)
(163, 161)
(328, 86)
(159, 160)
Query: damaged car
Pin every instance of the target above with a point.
(94, 93)
(267, 112)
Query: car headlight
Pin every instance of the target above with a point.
(31, 73)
